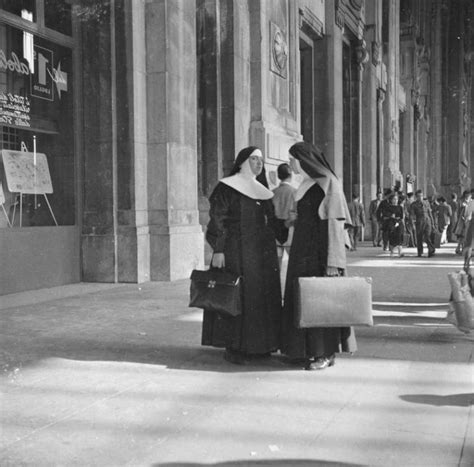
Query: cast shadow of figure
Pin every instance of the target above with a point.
(263, 463)
(454, 400)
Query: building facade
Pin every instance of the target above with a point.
(119, 117)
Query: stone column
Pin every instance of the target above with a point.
(115, 241)
(362, 57)
(380, 138)
(369, 132)
(176, 239)
(332, 100)
(391, 163)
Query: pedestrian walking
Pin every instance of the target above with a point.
(434, 211)
(318, 249)
(445, 214)
(410, 227)
(380, 216)
(243, 241)
(464, 217)
(454, 204)
(284, 203)
(421, 212)
(356, 210)
(374, 222)
(394, 224)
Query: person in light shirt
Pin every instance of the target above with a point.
(284, 203)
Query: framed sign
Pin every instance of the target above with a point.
(42, 79)
(23, 175)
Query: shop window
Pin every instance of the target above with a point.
(57, 16)
(26, 9)
(36, 117)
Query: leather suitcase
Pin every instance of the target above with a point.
(333, 302)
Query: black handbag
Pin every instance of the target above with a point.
(216, 290)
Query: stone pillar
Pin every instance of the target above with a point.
(369, 132)
(98, 232)
(380, 169)
(115, 236)
(391, 163)
(176, 239)
(331, 129)
(362, 57)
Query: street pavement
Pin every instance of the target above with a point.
(114, 374)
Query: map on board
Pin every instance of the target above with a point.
(22, 174)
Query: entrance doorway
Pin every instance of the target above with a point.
(351, 103)
(306, 88)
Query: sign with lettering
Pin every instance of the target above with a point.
(23, 175)
(42, 79)
(12, 63)
(14, 110)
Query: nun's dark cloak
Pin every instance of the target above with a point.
(310, 256)
(241, 227)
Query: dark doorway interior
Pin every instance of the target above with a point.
(307, 92)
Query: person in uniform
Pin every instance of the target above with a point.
(421, 213)
(374, 222)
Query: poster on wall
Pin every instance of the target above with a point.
(42, 78)
(14, 110)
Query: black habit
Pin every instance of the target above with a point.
(308, 257)
(242, 229)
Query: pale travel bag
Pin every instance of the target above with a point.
(333, 302)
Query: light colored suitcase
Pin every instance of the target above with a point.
(333, 302)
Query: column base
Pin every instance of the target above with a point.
(176, 252)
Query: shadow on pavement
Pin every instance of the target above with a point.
(262, 463)
(454, 400)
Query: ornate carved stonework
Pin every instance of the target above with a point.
(279, 51)
(310, 24)
(380, 96)
(339, 14)
(376, 55)
(361, 53)
(357, 4)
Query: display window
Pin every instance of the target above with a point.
(37, 168)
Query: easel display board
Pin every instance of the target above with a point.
(27, 172)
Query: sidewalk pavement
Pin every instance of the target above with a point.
(112, 375)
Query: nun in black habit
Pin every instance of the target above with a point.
(240, 232)
(318, 249)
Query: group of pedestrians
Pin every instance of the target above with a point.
(246, 218)
(413, 220)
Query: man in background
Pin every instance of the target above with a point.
(421, 212)
(374, 222)
(381, 214)
(284, 203)
(356, 209)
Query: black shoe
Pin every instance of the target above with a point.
(419, 255)
(321, 363)
(431, 253)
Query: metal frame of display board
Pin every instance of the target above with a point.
(2, 202)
